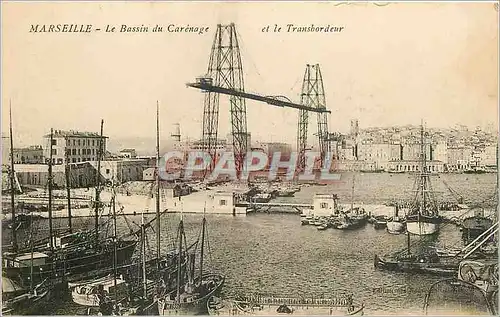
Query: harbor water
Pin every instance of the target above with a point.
(272, 254)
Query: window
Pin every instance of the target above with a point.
(54, 142)
(54, 151)
(74, 160)
(74, 142)
(107, 171)
(323, 205)
(223, 202)
(93, 142)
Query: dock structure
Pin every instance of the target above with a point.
(283, 207)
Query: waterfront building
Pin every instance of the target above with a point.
(347, 153)
(128, 153)
(29, 155)
(199, 145)
(272, 147)
(488, 157)
(229, 202)
(440, 152)
(414, 166)
(76, 146)
(379, 153)
(81, 175)
(355, 166)
(459, 158)
(411, 151)
(123, 170)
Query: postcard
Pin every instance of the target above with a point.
(249, 158)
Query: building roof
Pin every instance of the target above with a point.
(37, 168)
(74, 134)
(30, 148)
(36, 255)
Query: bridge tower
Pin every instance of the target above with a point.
(225, 70)
(313, 95)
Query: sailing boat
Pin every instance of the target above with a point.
(18, 301)
(355, 218)
(91, 293)
(83, 254)
(12, 177)
(423, 216)
(192, 293)
(395, 224)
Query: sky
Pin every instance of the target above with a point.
(391, 65)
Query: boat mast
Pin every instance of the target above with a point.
(98, 185)
(143, 256)
(31, 268)
(115, 273)
(202, 242)
(179, 260)
(12, 181)
(423, 168)
(50, 189)
(68, 186)
(157, 184)
(352, 193)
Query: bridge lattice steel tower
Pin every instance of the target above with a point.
(313, 95)
(225, 69)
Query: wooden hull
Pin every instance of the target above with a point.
(27, 305)
(449, 268)
(395, 227)
(422, 225)
(73, 263)
(473, 227)
(198, 306)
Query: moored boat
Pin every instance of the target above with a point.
(323, 226)
(474, 226)
(192, 293)
(423, 215)
(395, 225)
(425, 262)
(422, 224)
(89, 293)
(192, 300)
(380, 222)
(18, 301)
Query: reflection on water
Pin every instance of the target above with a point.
(272, 254)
